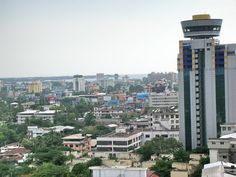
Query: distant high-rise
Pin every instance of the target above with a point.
(78, 83)
(207, 81)
(35, 87)
(100, 78)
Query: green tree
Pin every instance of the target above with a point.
(7, 135)
(159, 145)
(198, 171)
(181, 155)
(110, 89)
(89, 119)
(81, 170)
(48, 169)
(162, 167)
(96, 130)
(136, 89)
(94, 162)
(50, 155)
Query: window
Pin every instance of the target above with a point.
(213, 142)
(229, 128)
(222, 142)
(224, 128)
(147, 136)
(208, 44)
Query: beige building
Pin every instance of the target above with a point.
(35, 87)
(186, 169)
(78, 142)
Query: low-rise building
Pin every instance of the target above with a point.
(219, 169)
(29, 114)
(118, 144)
(167, 117)
(227, 129)
(149, 134)
(223, 148)
(78, 142)
(101, 171)
(163, 99)
(35, 131)
(13, 152)
(180, 169)
(105, 112)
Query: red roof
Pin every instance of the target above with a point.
(151, 174)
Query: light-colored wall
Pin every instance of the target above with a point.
(118, 172)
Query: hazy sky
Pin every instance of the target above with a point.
(67, 37)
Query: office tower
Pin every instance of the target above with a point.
(35, 87)
(100, 79)
(1, 85)
(78, 83)
(207, 82)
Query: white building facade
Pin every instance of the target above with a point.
(29, 114)
(207, 82)
(118, 144)
(120, 171)
(163, 99)
(78, 83)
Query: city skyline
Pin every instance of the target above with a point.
(51, 38)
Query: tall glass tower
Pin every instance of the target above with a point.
(207, 81)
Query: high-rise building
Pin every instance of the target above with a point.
(100, 78)
(207, 81)
(35, 87)
(1, 85)
(78, 83)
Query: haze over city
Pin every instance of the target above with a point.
(55, 37)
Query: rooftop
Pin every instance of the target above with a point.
(74, 136)
(232, 135)
(121, 135)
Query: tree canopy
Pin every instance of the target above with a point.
(159, 145)
(49, 169)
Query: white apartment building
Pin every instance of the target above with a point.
(223, 148)
(29, 114)
(159, 100)
(118, 144)
(103, 112)
(219, 169)
(227, 129)
(101, 171)
(166, 117)
(35, 131)
(149, 134)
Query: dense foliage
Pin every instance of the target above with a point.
(159, 145)
(162, 167)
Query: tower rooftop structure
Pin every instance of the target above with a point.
(78, 76)
(201, 26)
